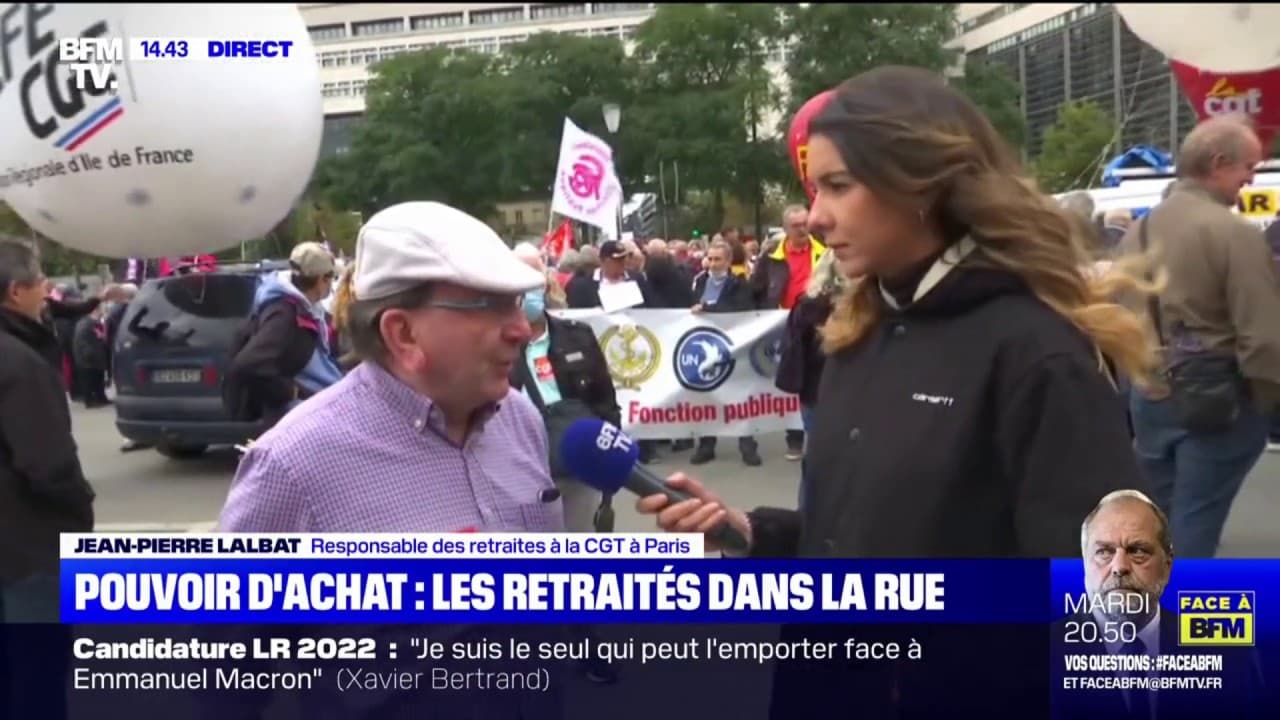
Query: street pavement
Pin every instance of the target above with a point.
(143, 491)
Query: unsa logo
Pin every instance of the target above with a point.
(704, 359)
(1225, 99)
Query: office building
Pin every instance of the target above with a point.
(351, 37)
(1063, 52)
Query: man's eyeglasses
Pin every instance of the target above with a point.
(496, 304)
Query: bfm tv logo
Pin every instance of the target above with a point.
(1225, 99)
(1216, 617)
(91, 61)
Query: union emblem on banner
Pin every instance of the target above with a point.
(633, 354)
(679, 374)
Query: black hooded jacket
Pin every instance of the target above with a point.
(973, 423)
(43, 491)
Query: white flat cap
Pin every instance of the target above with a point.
(408, 244)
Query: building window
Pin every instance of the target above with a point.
(357, 88)
(333, 59)
(392, 51)
(336, 89)
(548, 12)
(606, 8)
(519, 218)
(327, 32)
(437, 22)
(497, 17)
(991, 16)
(378, 27)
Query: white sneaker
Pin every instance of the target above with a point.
(1273, 446)
(793, 456)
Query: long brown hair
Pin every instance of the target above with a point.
(920, 145)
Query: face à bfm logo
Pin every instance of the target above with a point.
(1216, 617)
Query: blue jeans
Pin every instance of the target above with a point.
(1195, 476)
(806, 420)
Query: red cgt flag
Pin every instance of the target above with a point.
(558, 241)
(1255, 94)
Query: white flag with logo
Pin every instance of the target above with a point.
(586, 186)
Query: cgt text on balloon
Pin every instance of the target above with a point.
(65, 101)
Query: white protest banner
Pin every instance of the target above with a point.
(682, 375)
(586, 186)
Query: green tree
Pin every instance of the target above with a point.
(12, 224)
(1074, 148)
(553, 76)
(833, 42)
(438, 126)
(994, 90)
(701, 81)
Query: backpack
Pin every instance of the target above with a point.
(237, 401)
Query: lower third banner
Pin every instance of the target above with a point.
(680, 374)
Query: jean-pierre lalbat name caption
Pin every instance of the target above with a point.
(275, 648)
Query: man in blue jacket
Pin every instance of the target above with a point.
(285, 354)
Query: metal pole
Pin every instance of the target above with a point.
(622, 194)
(676, 194)
(662, 186)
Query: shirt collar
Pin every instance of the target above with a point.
(418, 410)
(1149, 635)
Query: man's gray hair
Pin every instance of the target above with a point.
(1080, 203)
(793, 210)
(1162, 520)
(19, 264)
(570, 261)
(364, 317)
(1224, 135)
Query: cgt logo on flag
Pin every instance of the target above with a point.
(586, 186)
(1215, 617)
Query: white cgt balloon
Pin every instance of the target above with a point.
(1224, 37)
(188, 155)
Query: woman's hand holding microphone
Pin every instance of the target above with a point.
(701, 513)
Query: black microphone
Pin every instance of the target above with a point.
(600, 455)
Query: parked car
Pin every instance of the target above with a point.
(172, 352)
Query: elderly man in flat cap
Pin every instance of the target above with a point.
(424, 435)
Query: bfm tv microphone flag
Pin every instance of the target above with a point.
(587, 188)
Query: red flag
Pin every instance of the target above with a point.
(798, 137)
(558, 241)
(1255, 94)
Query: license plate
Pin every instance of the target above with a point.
(174, 377)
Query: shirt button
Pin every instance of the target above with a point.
(899, 330)
(854, 434)
(417, 424)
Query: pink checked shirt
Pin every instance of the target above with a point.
(369, 454)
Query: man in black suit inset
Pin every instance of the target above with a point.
(1128, 560)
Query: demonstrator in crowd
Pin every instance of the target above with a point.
(43, 491)
(286, 352)
(718, 290)
(1218, 320)
(802, 358)
(425, 435)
